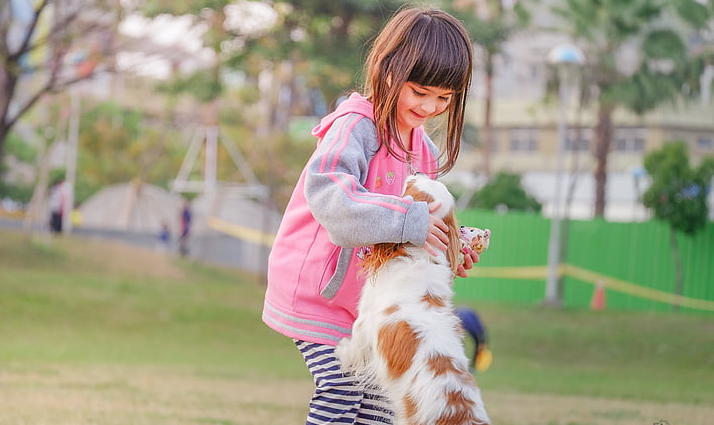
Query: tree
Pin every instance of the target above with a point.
(311, 54)
(18, 190)
(678, 195)
(505, 190)
(320, 45)
(117, 145)
(605, 29)
(490, 24)
(70, 38)
(699, 15)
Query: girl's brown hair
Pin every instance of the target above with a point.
(428, 47)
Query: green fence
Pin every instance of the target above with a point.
(633, 261)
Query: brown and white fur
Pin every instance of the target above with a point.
(407, 339)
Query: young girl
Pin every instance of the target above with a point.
(349, 197)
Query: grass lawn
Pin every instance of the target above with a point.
(98, 333)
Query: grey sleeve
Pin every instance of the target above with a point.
(338, 200)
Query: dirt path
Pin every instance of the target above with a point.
(107, 396)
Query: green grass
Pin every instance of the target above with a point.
(639, 356)
(80, 305)
(73, 302)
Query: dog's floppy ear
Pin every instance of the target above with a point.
(454, 248)
(380, 254)
(412, 190)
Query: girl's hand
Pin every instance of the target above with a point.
(436, 239)
(469, 260)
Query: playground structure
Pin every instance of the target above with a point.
(232, 223)
(232, 219)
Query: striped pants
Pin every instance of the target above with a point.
(337, 399)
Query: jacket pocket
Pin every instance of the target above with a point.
(339, 263)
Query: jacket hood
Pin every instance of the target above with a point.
(354, 104)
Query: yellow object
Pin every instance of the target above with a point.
(76, 217)
(541, 272)
(241, 232)
(483, 360)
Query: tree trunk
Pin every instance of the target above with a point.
(677, 264)
(7, 89)
(603, 139)
(487, 130)
(37, 214)
(3, 136)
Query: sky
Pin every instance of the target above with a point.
(182, 34)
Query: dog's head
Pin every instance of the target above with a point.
(422, 188)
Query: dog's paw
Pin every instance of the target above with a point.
(353, 357)
(342, 352)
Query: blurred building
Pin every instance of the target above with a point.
(525, 136)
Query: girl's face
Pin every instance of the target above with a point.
(418, 103)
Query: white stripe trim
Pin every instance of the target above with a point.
(302, 321)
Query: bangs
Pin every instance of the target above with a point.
(446, 62)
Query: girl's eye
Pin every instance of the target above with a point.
(445, 98)
(418, 93)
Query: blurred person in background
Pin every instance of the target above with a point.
(57, 201)
(482, 357)
(185, 228)
(164, 238)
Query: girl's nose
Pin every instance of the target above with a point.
(428, 107)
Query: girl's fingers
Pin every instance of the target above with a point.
(434, 243)
(436, 221)
(437, 239)
(430, 250)
(468, 261)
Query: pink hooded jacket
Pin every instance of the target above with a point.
(347, 197)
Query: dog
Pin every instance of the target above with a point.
(407, 340)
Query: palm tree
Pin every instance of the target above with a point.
(605, 28)
(699, 17)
